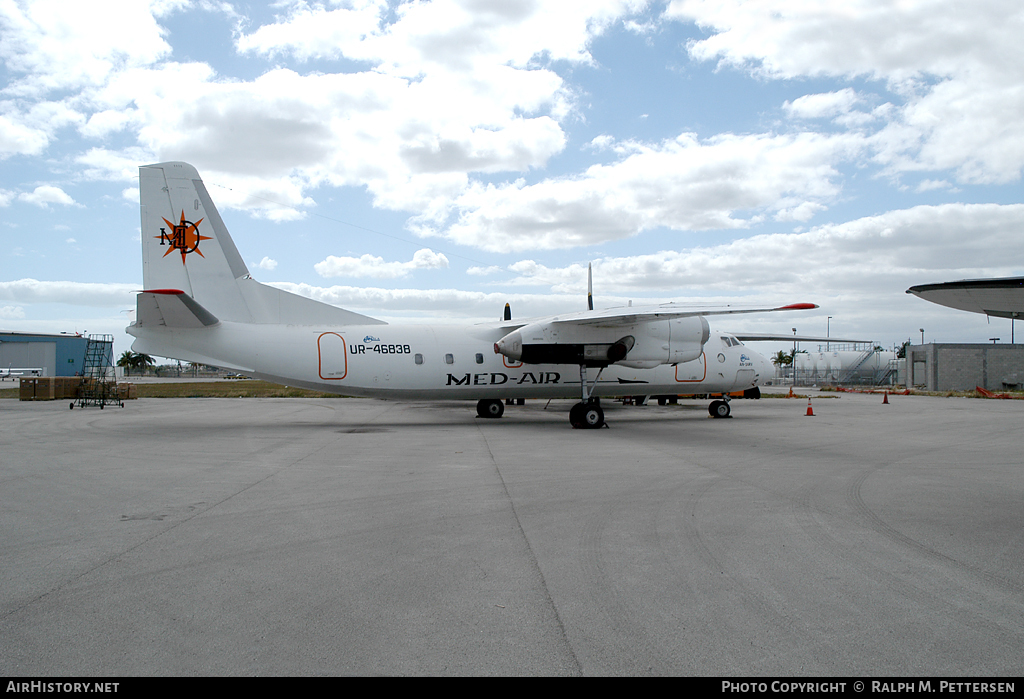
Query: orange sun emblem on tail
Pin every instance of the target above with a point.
(184, 236)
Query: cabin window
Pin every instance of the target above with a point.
(449, 359)
(418, 358)
(479, 358)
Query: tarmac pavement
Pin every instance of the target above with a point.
(362, 537)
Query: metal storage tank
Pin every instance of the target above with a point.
(865, 365)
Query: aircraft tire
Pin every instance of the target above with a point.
(719, 408)
(593, 416)
(490, 408)
(576, 416)
(586, 416)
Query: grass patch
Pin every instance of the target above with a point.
(226, 389)
(212, 389)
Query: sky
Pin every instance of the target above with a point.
(418, 161)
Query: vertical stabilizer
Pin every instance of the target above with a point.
(185, 244)
(186, 247)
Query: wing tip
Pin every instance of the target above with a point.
(797, 307)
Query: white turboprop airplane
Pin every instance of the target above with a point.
(201, 305)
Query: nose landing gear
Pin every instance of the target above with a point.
(587, 414)
(490, 408)
(720, 408)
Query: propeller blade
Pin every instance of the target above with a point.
(590, 286)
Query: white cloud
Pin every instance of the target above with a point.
(372, 266)
(11, 312)
(267, 264)
(17, 138)
(53, 44)
(872, 256)
(958, 66)
(450, 88)
(44, 195)
(426, 305)
(445, 34)
(726, 182)
(28, 291)
(822, 105)
(929, 185)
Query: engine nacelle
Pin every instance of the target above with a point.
(645, 344)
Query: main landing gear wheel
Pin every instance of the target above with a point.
(586, 416)
(490, 408)
(719, 408)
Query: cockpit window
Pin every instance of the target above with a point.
(730, 341)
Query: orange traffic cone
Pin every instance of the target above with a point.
(790, 393)
(885, 398)
(810, 410)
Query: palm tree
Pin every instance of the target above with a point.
(143, 361)
(125, 361)
(782, 358)
(135, 360)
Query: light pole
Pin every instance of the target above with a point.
(793, 362)
(828, 332)
(922, 335)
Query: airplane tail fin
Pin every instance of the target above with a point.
(186, 248)
(185, 245)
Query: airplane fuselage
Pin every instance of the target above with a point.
(433, 362)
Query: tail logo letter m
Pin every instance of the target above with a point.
(184, 237)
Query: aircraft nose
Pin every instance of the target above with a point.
(762, 365)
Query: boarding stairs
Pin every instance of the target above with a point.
(99, 385)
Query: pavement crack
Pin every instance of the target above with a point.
(533, 558)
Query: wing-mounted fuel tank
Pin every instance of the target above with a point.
(638, 345)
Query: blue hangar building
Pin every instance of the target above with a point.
(34, 354)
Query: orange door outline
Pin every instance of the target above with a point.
(320, 357)
(704, 362)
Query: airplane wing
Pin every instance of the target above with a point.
(624, 317)
(1003, 298)
(780, 337)
(674, 333)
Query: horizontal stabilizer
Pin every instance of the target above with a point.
(171, 308)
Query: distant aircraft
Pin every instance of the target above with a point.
(201, 305)
(1000, 297)
(11, 372)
